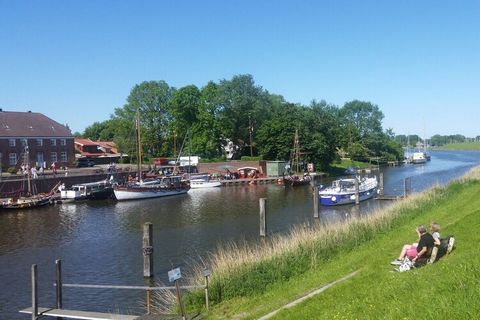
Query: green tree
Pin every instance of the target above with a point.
(241, 107)
(151, 101)
(100, 131)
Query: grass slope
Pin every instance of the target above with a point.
(468, 146)
(448, 289)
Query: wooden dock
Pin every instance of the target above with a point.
(387, 197)
(75, 314)
(250, 181)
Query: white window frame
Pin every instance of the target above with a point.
(63, 142)
(40, 159)
(39, 142)
(63, 156)
(53, 142)
(12, 142)
(53, 157)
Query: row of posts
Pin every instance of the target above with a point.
(316, 203)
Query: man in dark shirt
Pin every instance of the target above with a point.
(425, 245)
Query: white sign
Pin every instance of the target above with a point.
(206, 273)
(174, 274)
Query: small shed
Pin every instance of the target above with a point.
(275, 168)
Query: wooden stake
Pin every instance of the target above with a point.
(381, 184)
(316, 205)
(263, 213)
(58, 283)
(148, 250)
(357, 192)
(206, 291)
(34, 292)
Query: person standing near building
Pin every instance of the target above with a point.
(34, 172)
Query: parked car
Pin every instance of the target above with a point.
(85, 162)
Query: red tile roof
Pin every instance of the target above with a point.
(30, 124)
(85, 142)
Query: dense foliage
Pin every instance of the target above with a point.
(249, 119)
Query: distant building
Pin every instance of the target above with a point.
(101, 152)
(48, 141)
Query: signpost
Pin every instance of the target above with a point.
(173, 276)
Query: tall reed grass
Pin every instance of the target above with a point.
(245, 269)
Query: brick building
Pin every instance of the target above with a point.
(48, 141)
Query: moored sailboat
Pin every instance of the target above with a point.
(29, 199)
(159, 187)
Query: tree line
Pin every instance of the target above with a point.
(434, 141)
(245, 116)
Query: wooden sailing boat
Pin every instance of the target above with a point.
(30, 199)
(155, 188)
(294, 176)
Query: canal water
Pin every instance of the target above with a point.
(100, 242)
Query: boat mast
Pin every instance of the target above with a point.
(139, 148)
(296, 152)
(25, 163)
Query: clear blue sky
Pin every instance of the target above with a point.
(419, 61)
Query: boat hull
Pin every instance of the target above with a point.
(25, 203)
(204, 184)
(295, 181)
(128, 193)
(335, 199)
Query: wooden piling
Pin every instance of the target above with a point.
(316, 205)
(407, 187)
(381, 184)
(206, 273)
(263, 218)
(34, 292)
(58, 283)
(357, 192)
(148, 250)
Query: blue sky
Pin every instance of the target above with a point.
(76, 61)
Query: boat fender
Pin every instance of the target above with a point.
(334, 199)
(352, 197)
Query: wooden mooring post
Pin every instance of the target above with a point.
(381, 192)
(34, 292)
(407, 187)
(357, 192)
(58, 283)
(316, 205)
(263, 217)
(148, 250)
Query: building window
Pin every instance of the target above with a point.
(53, 157)
(53, 142)
(63, 156)
(12, 159)
(39, 142)
(11, 142)
(63, 142)
(40, 159)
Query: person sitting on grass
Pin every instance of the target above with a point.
(417, 250)
(435, 231)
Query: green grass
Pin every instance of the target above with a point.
(250, 281)
(338, 168)
(468, 146)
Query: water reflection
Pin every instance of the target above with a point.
(100, 242)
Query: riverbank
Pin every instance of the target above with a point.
(251, 281)
(466, 146)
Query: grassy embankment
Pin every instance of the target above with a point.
(249, 281)
(466, 146)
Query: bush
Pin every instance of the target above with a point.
(12, 170)
(246, 158)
